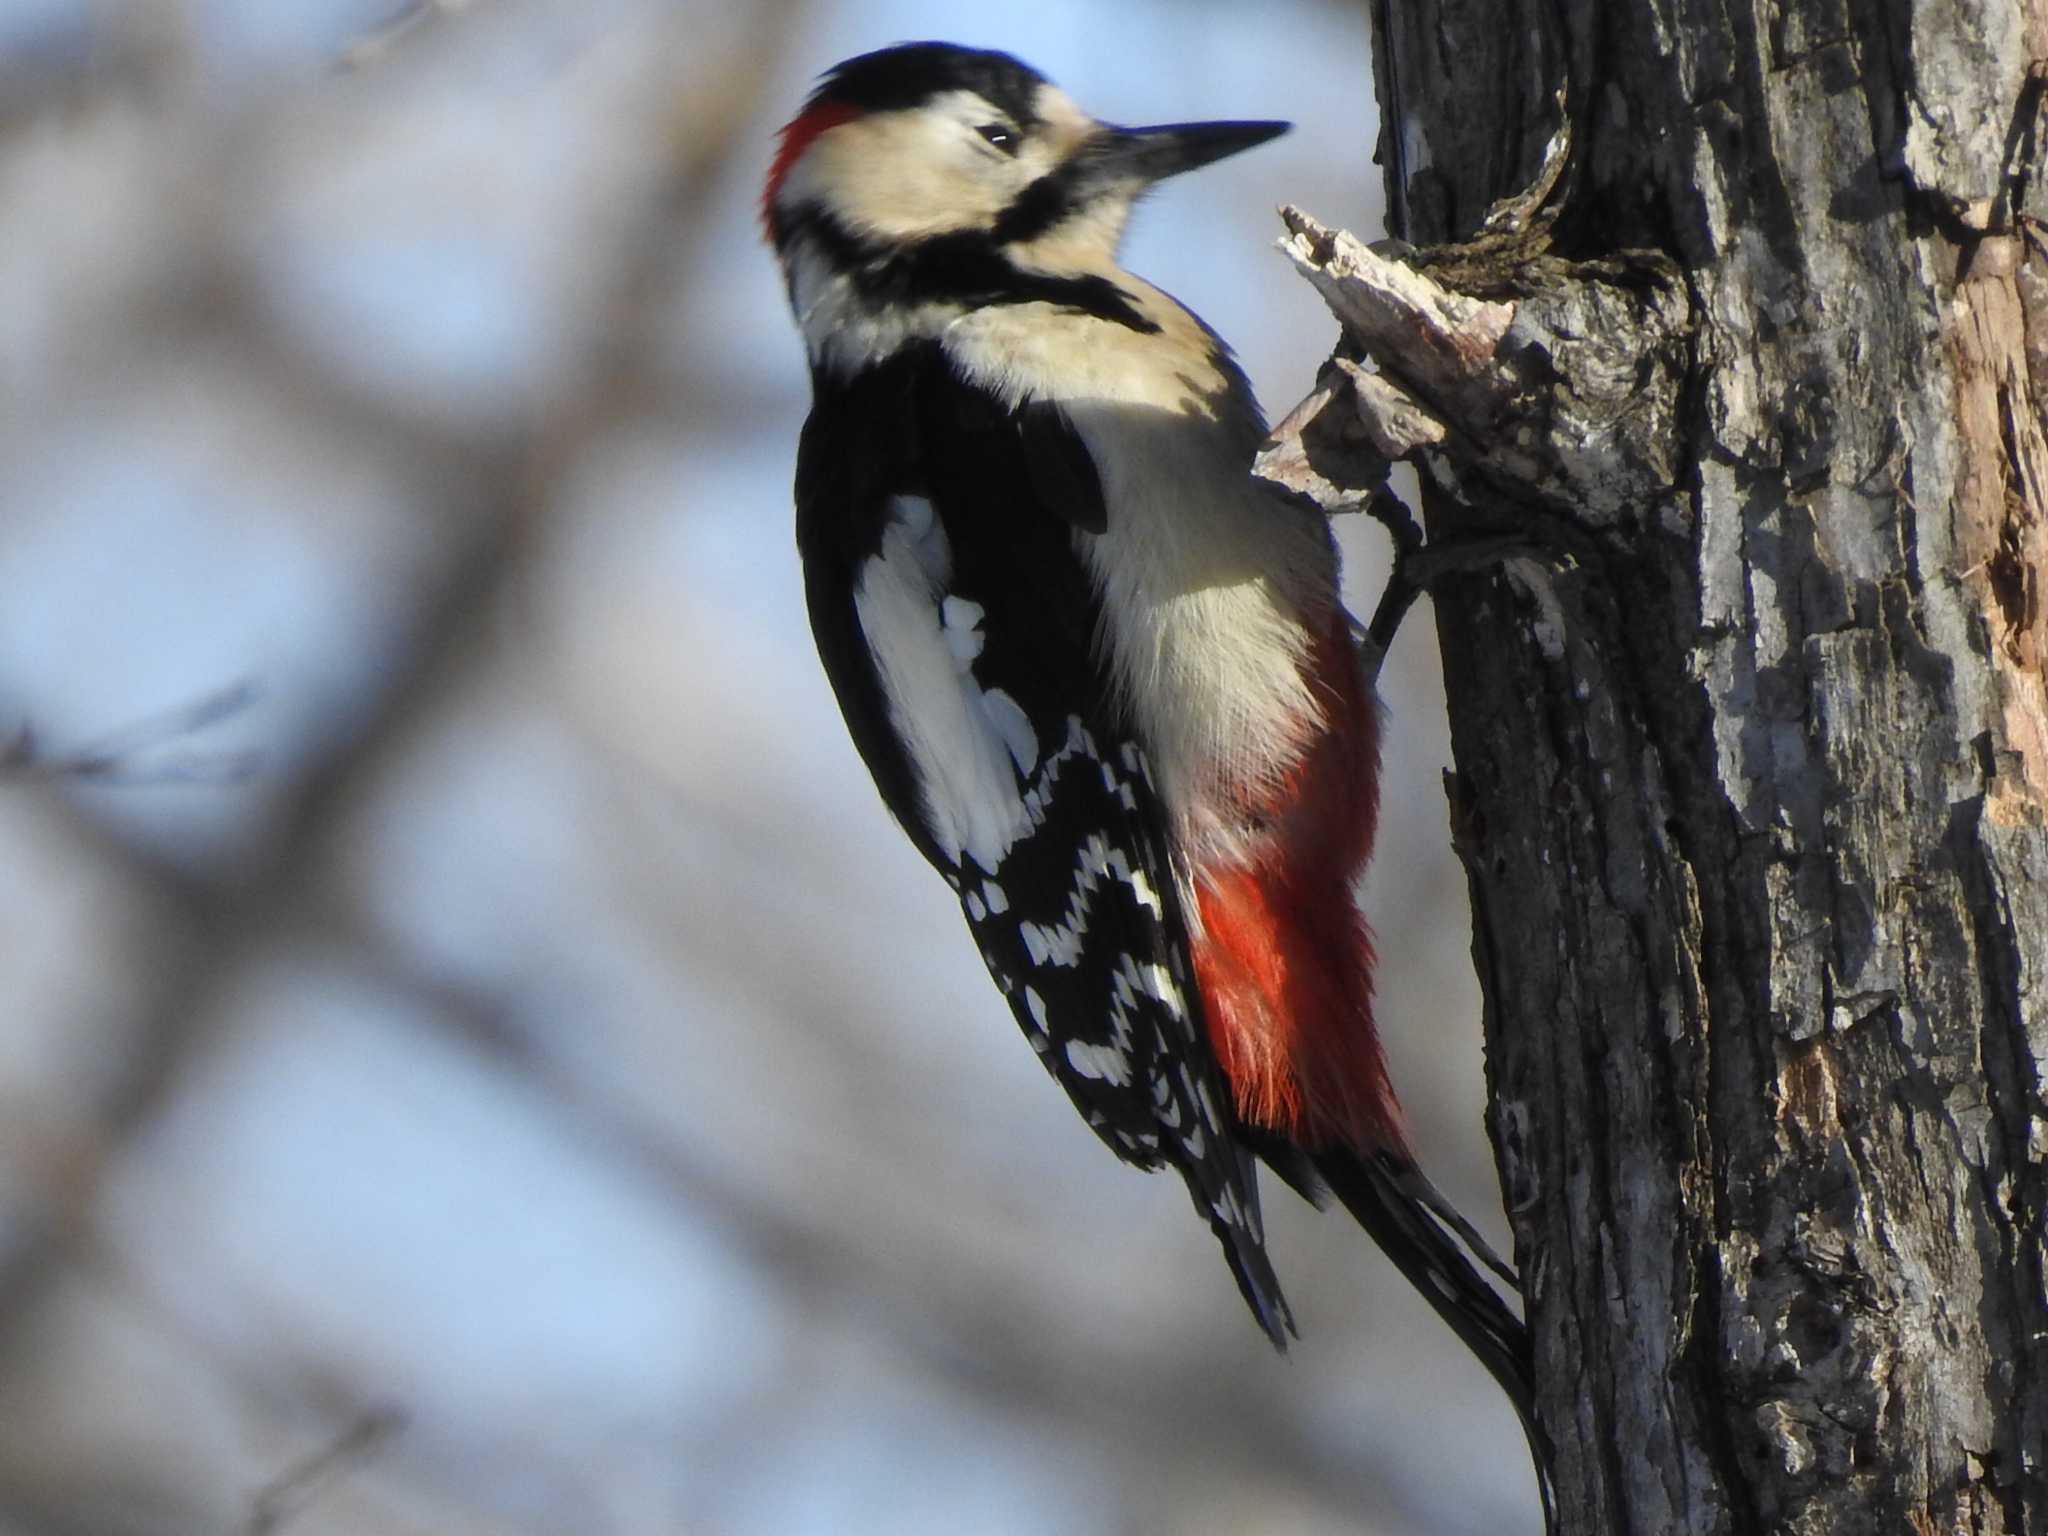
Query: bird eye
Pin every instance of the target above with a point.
(1002, 135)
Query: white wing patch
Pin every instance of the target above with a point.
(962, 622)
(968, 744)
(1014, 726)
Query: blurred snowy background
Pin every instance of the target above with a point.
(500, 1071)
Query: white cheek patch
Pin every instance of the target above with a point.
(967, 744)
(904, 174)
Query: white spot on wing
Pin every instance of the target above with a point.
(1208, 1104)
(1161, 986)
(1169, 1112)
(1038, 945)
(1103, 1062)
(1036, 1006)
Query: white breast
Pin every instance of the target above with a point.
(1207, 582)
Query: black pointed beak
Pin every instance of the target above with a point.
(1153, 154)
(1118, 163)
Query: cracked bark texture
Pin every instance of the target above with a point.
(1752, 749)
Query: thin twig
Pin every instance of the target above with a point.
(295, 1489)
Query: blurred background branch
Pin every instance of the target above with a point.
(477, 1058)
(514, 484)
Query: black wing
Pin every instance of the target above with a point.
(1074, 907)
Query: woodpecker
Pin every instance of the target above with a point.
(1103, 680)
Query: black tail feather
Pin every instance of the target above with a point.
(1434, 1248)
(1232, 1207)
(1257, 1283)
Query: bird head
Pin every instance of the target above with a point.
(928, 141)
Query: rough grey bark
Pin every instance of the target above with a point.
(1752, 739)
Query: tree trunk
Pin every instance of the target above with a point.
(1751, 739)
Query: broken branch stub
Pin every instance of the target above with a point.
(1557, 383)
(1320, 454)
(1386, 304)
(1395, 423)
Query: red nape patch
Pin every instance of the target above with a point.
(1285, 960)
(796, 138)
